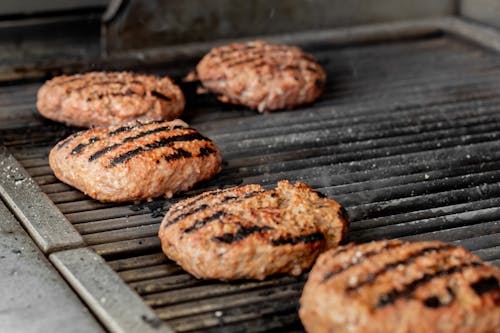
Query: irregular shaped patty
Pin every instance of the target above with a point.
(395, 286)
(136, 161)
(248, 232)
(107, 98)
(262, 76)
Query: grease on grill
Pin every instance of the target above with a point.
(156, 208)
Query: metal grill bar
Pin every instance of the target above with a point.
(405, 136)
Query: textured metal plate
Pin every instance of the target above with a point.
(45, 223)
(119, 308)
(33, 295)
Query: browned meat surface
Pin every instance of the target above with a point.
(135, 161)
(262, 76)
(394, 286)
(248, 232)
(108, 98)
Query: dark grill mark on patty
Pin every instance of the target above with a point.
(182, 216)
(390, 266)
(122, 129)
(164, 142)
(238, 55)
(148, 132)
(204, 206)
(183, 137)
(357, 260)
(310, 238)
(201, 223)
(130, 128)
(409, 288)
(244, 61)
(91, 83)
(311, 69)
(128, 92)
(435, 302)
(485, 285)
(126, 156)
(205, 151)
(179, 153)
(69, 139)
(432, 302)
(339, 251)
(240, 234)
(200, 198)
(105, 150)
(82, 146)
(159, 95)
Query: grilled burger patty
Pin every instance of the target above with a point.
(107, 98)
(248, 232)
(395, 286)
(135, 161)
(262, 76)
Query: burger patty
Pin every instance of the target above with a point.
(108, 98)
(395, 286)
(136, 161)
(262, 76)
(248, 232)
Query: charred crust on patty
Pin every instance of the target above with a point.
(251, 232)
(109, 98)
(261, 75)
(135, 161)
(398, 286)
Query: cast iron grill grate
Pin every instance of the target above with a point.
(406, 136)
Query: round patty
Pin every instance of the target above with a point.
(136, 161)
(262, 76)
(248, 232)
(108, 98)
(395, 286)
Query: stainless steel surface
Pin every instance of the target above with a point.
(46, 224)
(140, 25)
(29, 7)
(485, 11)
(33, 296)
(406, 136)
(118, 308)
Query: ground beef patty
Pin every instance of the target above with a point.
(394, 286)
(248, 232)
(262, 76)
(136, 161)
(107, 98)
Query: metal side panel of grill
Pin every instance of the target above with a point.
(406, 136)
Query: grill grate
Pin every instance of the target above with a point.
(406, 136)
